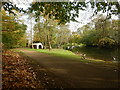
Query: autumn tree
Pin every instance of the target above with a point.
(104, 33)
(114, 30)
(45, 32)
(12, 30)
(62, 35)
(74, 38)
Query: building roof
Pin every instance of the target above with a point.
(37, 43)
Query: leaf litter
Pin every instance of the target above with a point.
(16, 72)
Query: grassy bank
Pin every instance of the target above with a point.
(58, 52)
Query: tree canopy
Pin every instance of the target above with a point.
(68, 11)
(12, 30)
(9, 6)
(103, 33)
(65, 11)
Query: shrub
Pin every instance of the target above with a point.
(106, 42)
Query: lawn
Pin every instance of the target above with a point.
(58, 52)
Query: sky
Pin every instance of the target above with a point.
(84, 16)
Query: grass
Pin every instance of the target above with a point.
(58, 52)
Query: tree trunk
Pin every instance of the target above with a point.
(49, 43)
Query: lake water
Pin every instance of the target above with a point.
(106, 54)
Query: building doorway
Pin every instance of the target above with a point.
(40, 46)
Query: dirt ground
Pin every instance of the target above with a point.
(46, 77)
(56, 72)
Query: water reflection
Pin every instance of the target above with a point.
(106, 54)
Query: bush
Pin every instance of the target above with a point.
(106, 42)
(8, 40)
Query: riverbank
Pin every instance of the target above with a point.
(68, 54)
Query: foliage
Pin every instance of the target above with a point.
(109, 7)
(90, 38)
(45, 32)
(9, 6)
(22, 42)
(12, 30)
(62, 35)
(61, 11)
(114, 30)
(51, 33)
(99, 30)
(74, 38)
(8, 40)
(64, 12)
(106, 42)
(39, 33)
(67, 11)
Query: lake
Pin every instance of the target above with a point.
(106, 54)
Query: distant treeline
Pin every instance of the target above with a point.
(100, 32)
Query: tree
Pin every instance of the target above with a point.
(103, 25)
(106, 42)
(9, 6)
(103, 34)
(62, 35)
(90, 38)
(39, 33)
(22, 42)
(109, 7)
(12, 30)
(45, 32)
(74, 38)
(114, 30)
(67, 11)
(64, 12)
(84, 28)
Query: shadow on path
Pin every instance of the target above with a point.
(66, 73)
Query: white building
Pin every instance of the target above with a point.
(37, 46)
